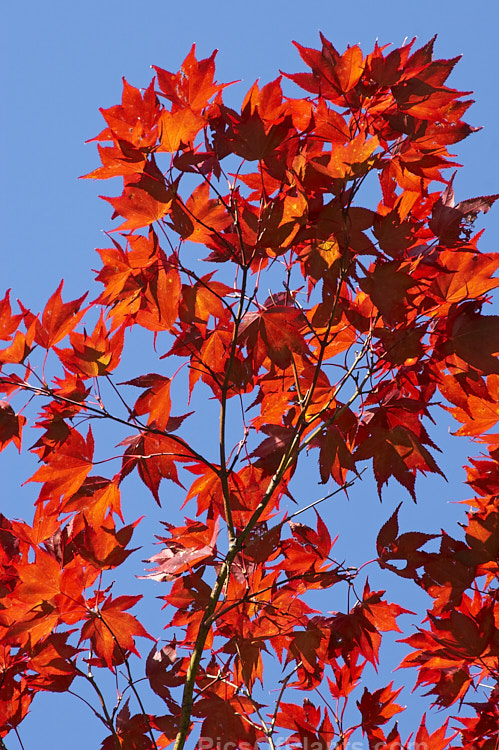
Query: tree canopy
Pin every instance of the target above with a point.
(328, 333)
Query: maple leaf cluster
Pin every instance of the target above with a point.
(376, 318)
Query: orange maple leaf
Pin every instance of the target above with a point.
(112, 631)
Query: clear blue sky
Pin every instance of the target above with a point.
(61, 61)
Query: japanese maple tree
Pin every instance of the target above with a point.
(327, 333)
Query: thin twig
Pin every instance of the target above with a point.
(339, 489)
(101, 413)
(130, 680)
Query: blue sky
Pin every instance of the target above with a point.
(61, 61)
